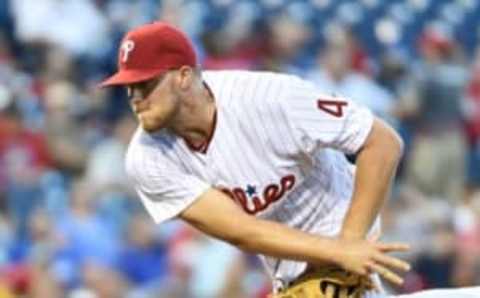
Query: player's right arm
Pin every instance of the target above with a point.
(217, 215)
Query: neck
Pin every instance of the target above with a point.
(196, 117)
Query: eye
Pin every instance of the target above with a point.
(141, 89)
(149, 86)
(135, 90)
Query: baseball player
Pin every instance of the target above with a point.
(257, 160)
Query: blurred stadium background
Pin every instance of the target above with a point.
(70, 225)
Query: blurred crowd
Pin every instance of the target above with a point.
(70, 224)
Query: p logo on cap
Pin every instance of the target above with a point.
(127, 47)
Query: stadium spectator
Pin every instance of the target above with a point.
(144, 259)
(85, 237)
(24, 158)
(284, 38)
(433, 103)
(472, 113)
(335, 75)
(66, 137)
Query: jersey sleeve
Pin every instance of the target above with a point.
(325, 121)
(164, 189)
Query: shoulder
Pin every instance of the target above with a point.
(135, 152)
(259, 91)
(241, 80)
(242, 74)
(145, 152)
(254, 83)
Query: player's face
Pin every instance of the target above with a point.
(153, 102)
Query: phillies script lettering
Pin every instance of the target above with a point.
(255, 203)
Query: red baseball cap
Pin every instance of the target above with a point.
(150, 50)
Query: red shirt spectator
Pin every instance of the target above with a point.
(23, 153)
(473, 107)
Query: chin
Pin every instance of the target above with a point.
(151, 126)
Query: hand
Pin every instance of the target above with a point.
(364, 257)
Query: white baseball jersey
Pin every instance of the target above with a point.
(277, 150)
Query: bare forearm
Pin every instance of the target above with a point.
(255, 235)
(277, 240)
(216, 215)
(376, 167)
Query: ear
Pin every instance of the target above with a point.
(185, 78)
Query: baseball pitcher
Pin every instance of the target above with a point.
(257, 159)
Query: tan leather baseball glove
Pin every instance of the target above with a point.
(327, 283)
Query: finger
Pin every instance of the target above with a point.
(390, 247)
(387, 274)
(330, 291)
(392, 262)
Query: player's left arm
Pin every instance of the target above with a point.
(376, 167)
(322, 121)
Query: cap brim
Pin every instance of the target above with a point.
(126, 77)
